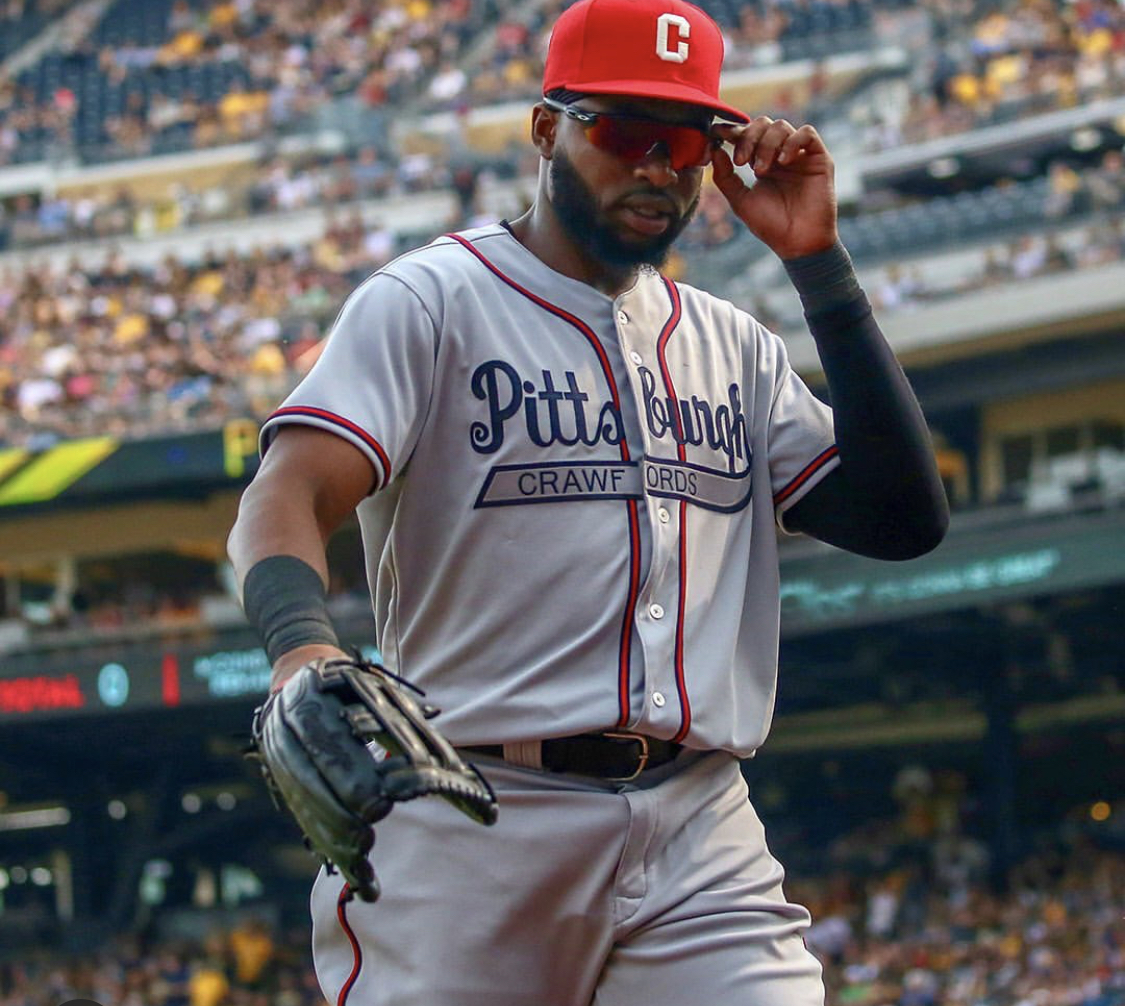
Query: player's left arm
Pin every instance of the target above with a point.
(885, 499)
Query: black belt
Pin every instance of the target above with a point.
(614, 757)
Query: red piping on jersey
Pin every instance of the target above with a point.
(357, 953)
(670, 388)
(807, 473)
(347, 424)
(626, 641)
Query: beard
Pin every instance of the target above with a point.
(576, 207)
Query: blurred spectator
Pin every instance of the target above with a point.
(1106, 185)
(899, 289)
(714, 223)
(1056, 257)
(208, 985)
(372, 176)
(1028, 256)
(252, 947)
(447, 85)
(1065, 186)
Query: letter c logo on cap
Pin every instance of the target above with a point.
(683, 32)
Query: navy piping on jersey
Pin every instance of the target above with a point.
(357, 952)
(806, 473)
(670, 388)
(347, 424)
(626, 640)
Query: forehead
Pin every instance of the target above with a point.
(652, 108)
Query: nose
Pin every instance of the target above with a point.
(656, 167)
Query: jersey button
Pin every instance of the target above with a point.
(656, 610)
(658, 699)
(636, 358)
(663, 515)
(623, 317)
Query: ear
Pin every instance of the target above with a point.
(544, 124)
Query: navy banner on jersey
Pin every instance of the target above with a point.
(559, 482)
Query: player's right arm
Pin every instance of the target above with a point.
(309, 481)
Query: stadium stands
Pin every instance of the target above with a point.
(152, 78)
(186, 344)
(22, 20)
(129, 351)
(902, 938)
(896, 924)
(763, 32)
(279, 184)
(171, 75)
(1014, 60)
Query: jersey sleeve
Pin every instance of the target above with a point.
(371, 385)
(802, 448)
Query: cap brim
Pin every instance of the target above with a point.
(669, 91)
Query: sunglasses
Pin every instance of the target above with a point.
(634, 137)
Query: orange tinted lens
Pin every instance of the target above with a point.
(632, 139)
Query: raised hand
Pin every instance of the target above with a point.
(791, 206)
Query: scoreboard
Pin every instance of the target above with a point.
(165, 680)
(137, 679)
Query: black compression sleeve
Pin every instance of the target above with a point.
(285, 600)
(894, 502)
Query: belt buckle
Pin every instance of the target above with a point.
(642, 759)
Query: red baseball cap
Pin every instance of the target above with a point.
(642, 48)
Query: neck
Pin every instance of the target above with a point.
(541, 233)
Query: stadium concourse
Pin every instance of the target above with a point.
(188, 190)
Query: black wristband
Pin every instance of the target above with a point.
(285, 600)
(824, 280)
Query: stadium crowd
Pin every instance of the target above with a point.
(247, 965)
(1027, 257)
(980, 62)
(230, 70)
(277, 185)
(1018, 59)
(903, 918)
(1056, 939)
(223, 71)
(905, 914)
(126, 350)
(253, 66)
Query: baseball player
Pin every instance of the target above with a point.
(568, 470)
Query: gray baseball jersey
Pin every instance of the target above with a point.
(581, 492)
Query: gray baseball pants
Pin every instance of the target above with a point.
(583, 894)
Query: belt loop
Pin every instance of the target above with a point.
(526, 754)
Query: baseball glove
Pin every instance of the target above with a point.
(340, 744)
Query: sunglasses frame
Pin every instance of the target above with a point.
(588, 118)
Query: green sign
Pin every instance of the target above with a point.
(973, 567)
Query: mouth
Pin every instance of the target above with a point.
(646, 219)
